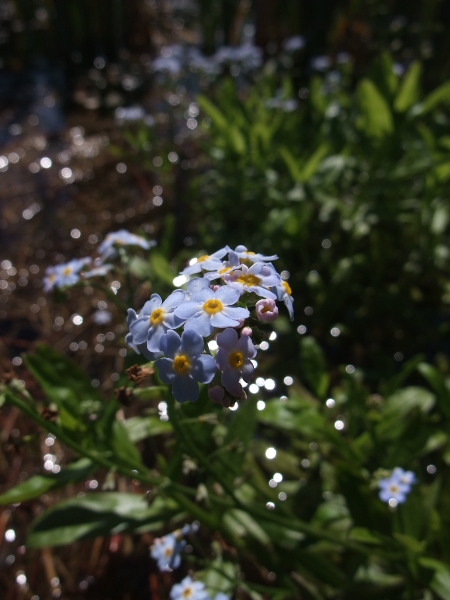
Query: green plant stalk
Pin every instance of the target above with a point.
(263, 513)
(164, 484)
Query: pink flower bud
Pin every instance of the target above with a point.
(215, 287)
(266, 310)
(247, 331)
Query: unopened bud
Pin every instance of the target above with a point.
(266, 310)
(247, 331)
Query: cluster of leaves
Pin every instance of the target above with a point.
(353, 187)
(330, 537)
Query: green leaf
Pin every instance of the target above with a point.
(313, 367)
(393, 384)
(124, 450)
(376, 118)
(407, 399)
(242, 524)
(409, 91)
(64, 384)
(98, 514)
(361, 534)
(212, 112)
(291, 163)
(219, 577)
(140, 428)
(386, 76)
(440, 584)
(440, 95)
(40, 484)
(140, 268)
(437, 382)
(312, 164)
(161, 268)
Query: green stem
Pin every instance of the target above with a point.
(30, 411)
(179, 492)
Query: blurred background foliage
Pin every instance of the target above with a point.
(336, 156)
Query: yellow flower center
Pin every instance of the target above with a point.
(393, 489)
(203, 258)
(181, 364)
(245, 259)
(157, 316)
(51, 277)
(225, 270)
(67, 271)
(266, 309)
(287, 287)
(168, 552)
(187, 592)
(236, 359)
(212, 306)
(248, 279)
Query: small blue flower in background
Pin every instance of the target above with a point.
(100, 271)
(122, 238)
(255, 279)
(185, 365)
(166, 551)
(405, 477)
(207, 309)
(50, 278)
(102, 317)
(63, 275)
(294, 43)
(207, 262)
(233, 358)
(395, 488)
(283, 292)
(155, 319)
(189, 590)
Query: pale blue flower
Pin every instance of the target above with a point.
(138, 348)
(166, 551)
(122, 238)
(207, 309)
(207, 262)
(184, 364)
(405, 477)
(189, 590)
(155, 319)
(50, 278)
(284, 294)
(233, 358)
(227, 266)
(258, 278)
(196, 285)
(294, 43)
(64, 275)
(100, 271)
(397, 486)
(102, 317)
(246, 255)
(320, 63)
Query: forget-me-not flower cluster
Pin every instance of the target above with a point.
(224, 291)
(68, 274)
